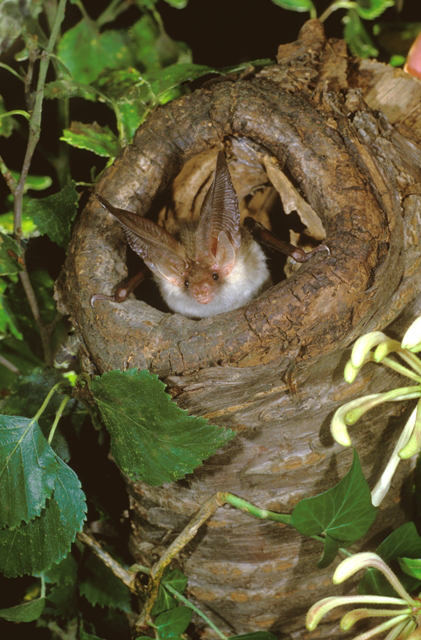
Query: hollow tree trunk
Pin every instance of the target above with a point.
(345, 134)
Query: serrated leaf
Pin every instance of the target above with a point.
(330, 549)
(99, 140)
(151, 438)
(86, 53)
(64, 573)
(153, 47)
(357, 37)
(10, 252)
(101, 587)
(403, 542)
(53, 215)
(177, 4)
(69, 88)
(372, 9)
(344, 512)
(296, 5)
(168, 80)
(35, 546)
(173, 623)
(258, 635)
(28, 468)
(62, 602)
(26, 612)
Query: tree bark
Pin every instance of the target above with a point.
(345, 134)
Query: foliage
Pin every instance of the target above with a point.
(100, 71)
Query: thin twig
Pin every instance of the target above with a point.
(9, 365)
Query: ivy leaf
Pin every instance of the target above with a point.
(35, 546)
(330, 549)
(26, 612)
(258, 635)
(54, 214)
(86, 53)
(151, 438)
(372, 9)
(28, 468)
(404, 542)
(99, 140)
(344, 512)
(296, 5)
(100, 586)
(10, 252)
(165, 601)
(173, 623)
(357, 37)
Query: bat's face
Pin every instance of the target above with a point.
(214, 267)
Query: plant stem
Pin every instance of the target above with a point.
(239, 503)
(10, 180)
(45, 332)
(46, 401)
(9, 365)
(57, 418)
(189, 604)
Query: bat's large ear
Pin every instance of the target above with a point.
(220, 213)
(159, 249)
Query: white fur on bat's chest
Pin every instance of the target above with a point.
(248, 278)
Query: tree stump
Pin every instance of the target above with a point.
(342, 135)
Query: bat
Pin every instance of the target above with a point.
(213, 265)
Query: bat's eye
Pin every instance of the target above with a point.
(186, 283)
(215, 276)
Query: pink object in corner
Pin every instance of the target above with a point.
(413, 61)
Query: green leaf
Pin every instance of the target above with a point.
(68, 88)
(177, 4)
(62, 602)
(35, 546)
(64, 573)
(165, 600)
(13, 15)
(28, 468)
(357, 37)
(258, 635)
(86, 53)
(372, 9)
(344, 512)
(10, 252)
(166, 81)
(172, 623)
(99, 140)
(296, 5)
(89, 636)
(411, 566)
(153, 47)
(100, 586)
(404, 542)
(53, 215)
(151, 438)
(34, 183)
(26, 612)
(175, 579)
(7, 319)
(330, 549)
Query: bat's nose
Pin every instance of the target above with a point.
(202, 293)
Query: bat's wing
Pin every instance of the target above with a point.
(219, 227)
(161, 252)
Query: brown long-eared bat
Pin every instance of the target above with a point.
(214, 265)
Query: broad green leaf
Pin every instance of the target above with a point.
(357, 37)
(411, 566)
(330, 549)
(26, 612)
(99, 140)
(258, 635)
(296, 5)
(175, 579)
(28, 468)
(35, 546)
(34, 183)
(62, 602)
(372, 9)
(100, 586)
(64, 573)
(165, 81)
(403, 542)
(153, 47)
(7, 123)
(7, 319)
(172, 623)
(13, 15)
(29, 229)
(344, 512)
(10, 252)
(53, 215)
(89, 636)
(165, 600)
(86, 53)
(68, 88)
(151, 438)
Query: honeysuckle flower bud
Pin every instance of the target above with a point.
(412, 337)
(364, 345)
(338, 425)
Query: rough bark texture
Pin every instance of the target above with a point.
(347, 134)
